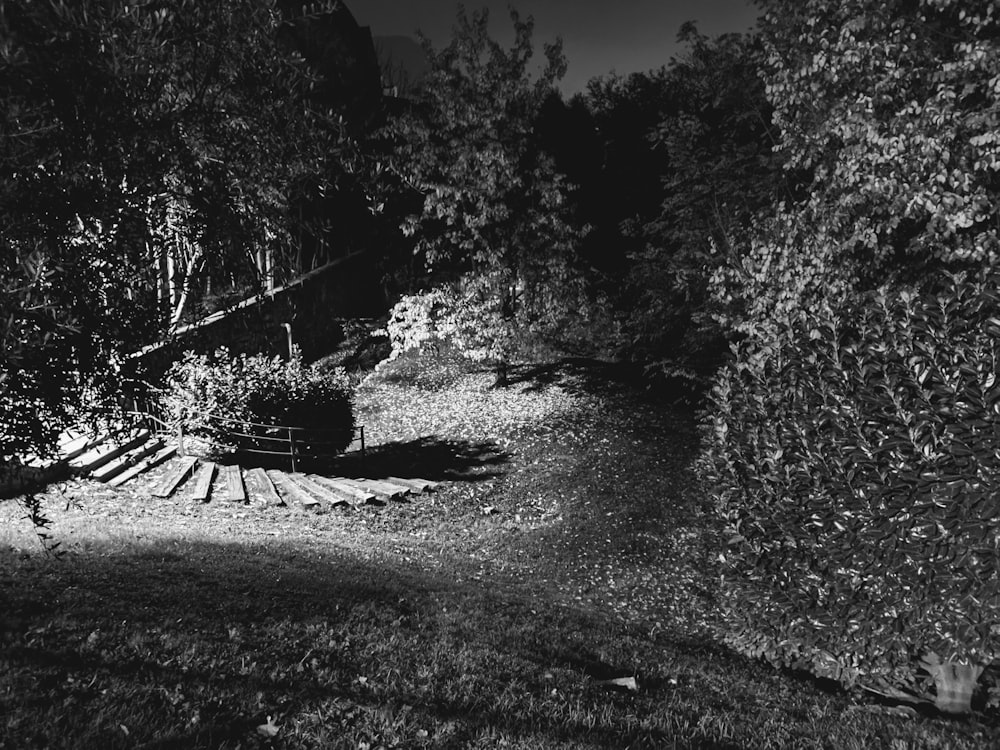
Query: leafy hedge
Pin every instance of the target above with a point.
(201, 389)
(857, 463)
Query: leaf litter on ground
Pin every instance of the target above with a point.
(583, 553)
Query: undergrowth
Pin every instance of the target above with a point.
(569, 544)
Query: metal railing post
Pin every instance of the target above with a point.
(291, 444)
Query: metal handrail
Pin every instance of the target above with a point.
(295, 437)
(271, 426)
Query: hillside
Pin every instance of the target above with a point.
(567, 545)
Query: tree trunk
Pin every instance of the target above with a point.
(194, 266)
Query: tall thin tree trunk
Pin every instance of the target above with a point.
(193, 268)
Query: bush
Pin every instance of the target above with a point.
(430, 368)
(856, 459)
(214, 395)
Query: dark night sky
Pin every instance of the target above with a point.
(599, 35)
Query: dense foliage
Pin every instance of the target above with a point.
(716, 136)
(672, 165)
(892, 107)
(216, 395)
(135, 136)
(858, 463)
(854, 448)
(494, 224)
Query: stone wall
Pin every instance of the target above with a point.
(314, 305)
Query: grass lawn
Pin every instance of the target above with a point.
(568, 545)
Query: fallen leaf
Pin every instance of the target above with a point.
(268, 729)
(629, 683)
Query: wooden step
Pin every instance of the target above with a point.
(162, 455)
(173, 480)
(34, 461)
(263, 487)
(113, 468)
(384, 489)
(299, 498)
(79, 445)
(203, 482)
(108, 451)
(351, 496)
(234, 485)
(420, 485)
(326, 496)
(360, 494)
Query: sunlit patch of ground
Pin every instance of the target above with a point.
(568, 544)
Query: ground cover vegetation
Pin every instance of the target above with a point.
(486, 614)
(796, 225)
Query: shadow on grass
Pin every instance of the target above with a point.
(429, 457)
(597, 377)
(180, 644)
(195, 644)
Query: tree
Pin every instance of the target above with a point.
(858, 329)
(892, 107)
(716, 136)
(687, 162)
(628, 189)
(494, 222)
(131, 130)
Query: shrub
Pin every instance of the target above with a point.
(430, 369)
(856, 460)
(203, 392)
(417, 320)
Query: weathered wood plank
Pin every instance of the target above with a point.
(127, 460)
(173, 480)
(420, 485)
(108, 451)
(162, 455)
(264, 487)
(391, 491)
(79, 445)
(354, 499)
(299, 497)
(234, 485)
(203, 482)
(361, 494)
(325, 494)
(311, 498)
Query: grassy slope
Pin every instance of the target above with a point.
(569, 546)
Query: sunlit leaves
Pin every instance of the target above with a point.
(215, 395)
(493, 205)
(857, 460)
(714, 137)
(892, 107)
